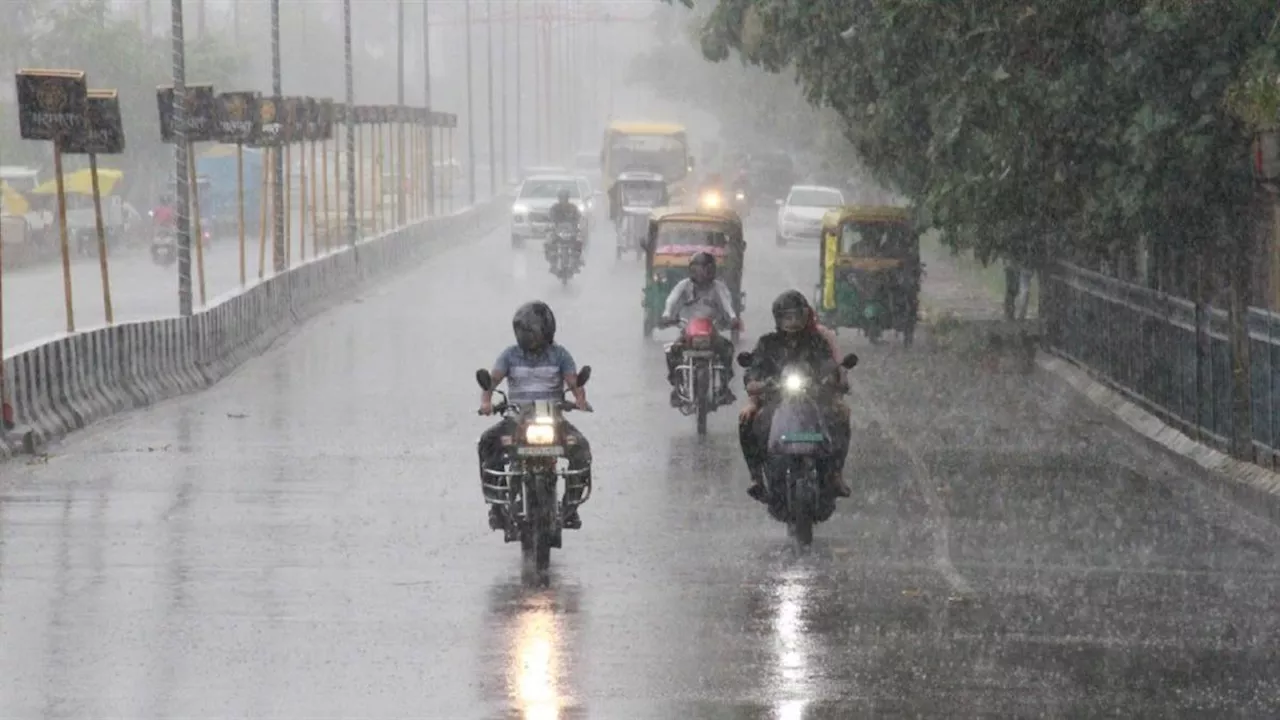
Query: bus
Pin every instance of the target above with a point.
(661, 148)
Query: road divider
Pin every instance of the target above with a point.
(68, 383)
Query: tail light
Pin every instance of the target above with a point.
(699, 332)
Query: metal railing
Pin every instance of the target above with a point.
(1157, 350)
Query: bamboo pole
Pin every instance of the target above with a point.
(264, 207)
(102, 241)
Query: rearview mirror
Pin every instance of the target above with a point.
(484, 379)
(849, 361)
(745, 359)
(584, 375)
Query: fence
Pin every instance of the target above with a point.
(1145, 344)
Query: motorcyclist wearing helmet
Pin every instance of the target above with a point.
(566, 211)
(798, 339)
(535, 368)
(702, 294)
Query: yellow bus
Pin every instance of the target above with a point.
(661, 148)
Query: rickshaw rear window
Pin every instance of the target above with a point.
(691, 233)
(876, 240)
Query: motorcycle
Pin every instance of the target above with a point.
(164, 247)
(564, 259)
(799, 449)
(527, 486)
(699, 374)
(741, 203)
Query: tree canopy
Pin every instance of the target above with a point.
(1014, 124)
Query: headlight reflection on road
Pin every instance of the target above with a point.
(793, 660)
(534, 672)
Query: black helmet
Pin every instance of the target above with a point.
(535, 326)
(702, 267)
(791, 311)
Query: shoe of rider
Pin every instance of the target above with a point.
(535, 368)
(796, 338)
(702, 294)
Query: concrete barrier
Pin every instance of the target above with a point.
(68, 383)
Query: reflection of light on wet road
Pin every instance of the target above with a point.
(534, 663)
(793, 662)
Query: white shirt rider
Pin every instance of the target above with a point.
(688, 299)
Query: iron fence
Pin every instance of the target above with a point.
(1156, 349)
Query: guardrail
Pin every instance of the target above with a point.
(70, 382)
(1145, 344)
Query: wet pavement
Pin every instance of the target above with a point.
(140, 290)
(307, 540)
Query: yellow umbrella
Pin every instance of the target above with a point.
(80, 182)
(11, 201)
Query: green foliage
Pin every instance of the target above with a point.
(1018, 124)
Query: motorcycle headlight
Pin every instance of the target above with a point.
(741, 195)
(540, 434)
(794, 382)
(711, 199)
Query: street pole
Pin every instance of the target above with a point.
(506, 127)
(277, 184)
(488, 66)
(350, 125)
(471, 122)
(519, 92)
(426, 99)
(399, 156)
(180, 170)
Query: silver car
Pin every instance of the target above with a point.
(531, 211)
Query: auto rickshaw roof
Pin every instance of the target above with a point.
(695, 214)
(866, 213)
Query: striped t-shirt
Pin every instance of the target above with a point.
(532, 377)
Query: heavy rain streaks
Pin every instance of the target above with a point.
(308, 538)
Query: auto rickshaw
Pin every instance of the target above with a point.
(870, 271)
(631, 198)
(675, 235)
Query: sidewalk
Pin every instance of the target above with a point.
(964, 406)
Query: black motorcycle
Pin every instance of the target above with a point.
(527, 486)
(800, 448)
(563, 255)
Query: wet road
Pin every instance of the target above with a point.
(140, 289)
(307, 540)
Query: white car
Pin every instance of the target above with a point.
(800, 215)
(530, 213)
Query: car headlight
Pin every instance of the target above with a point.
(519, 209)
(741, 195)
(710, 199)
(540, 434)
(794, 382)
(581, 207)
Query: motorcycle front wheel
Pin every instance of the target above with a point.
(803, 487)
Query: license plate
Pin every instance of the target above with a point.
(804, 437)
(540, 450)
(699, 353)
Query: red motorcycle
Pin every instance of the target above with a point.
(699, 374)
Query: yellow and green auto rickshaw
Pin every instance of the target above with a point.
(675, 235)
(870, 271)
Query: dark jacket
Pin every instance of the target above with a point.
(565, 212)
(776, 350)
